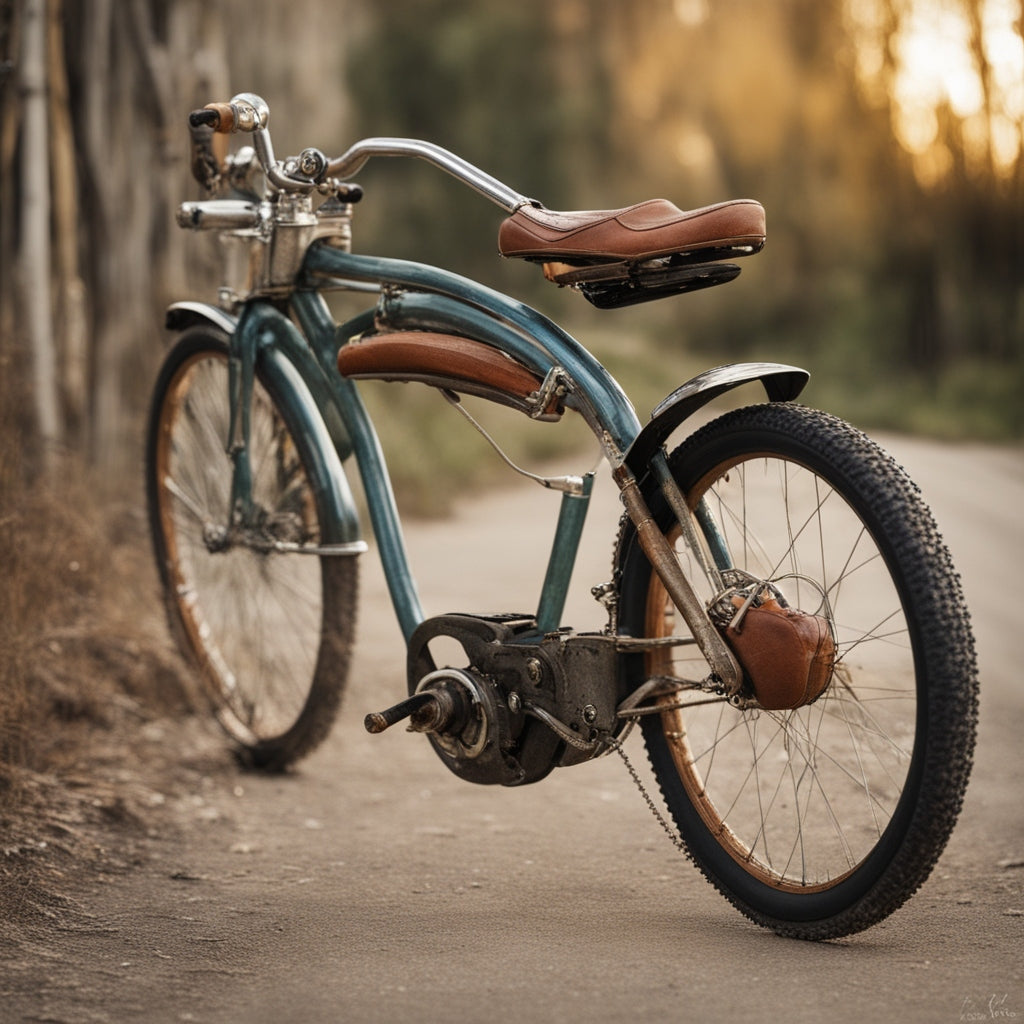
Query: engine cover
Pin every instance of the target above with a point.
(512, 680)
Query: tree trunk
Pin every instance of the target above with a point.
(35, 232)
(72, 328)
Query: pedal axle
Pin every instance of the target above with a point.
(378, 721)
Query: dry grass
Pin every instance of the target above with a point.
(88, 677)
(78, 632)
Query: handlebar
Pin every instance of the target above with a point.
(219, 215)
(247, 112)
(353, 160)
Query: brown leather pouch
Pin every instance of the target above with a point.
(787, 654)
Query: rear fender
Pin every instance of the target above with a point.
(782, 383)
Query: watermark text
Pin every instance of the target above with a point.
(996, 1007)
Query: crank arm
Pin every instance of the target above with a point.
(724, 665)
(418, 703)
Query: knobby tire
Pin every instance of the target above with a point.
(820, 821)
(270, 634)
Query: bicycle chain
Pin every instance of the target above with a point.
(672, 833)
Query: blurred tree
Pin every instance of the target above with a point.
(108, 78)
(33, 281)
(518, 89)
(93, 154)
(883, 136)
(951, 79)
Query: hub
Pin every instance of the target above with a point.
(457, 717)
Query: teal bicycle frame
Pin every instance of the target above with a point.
(415, 296)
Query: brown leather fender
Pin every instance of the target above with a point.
(446, 361)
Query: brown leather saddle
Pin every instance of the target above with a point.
(638, 253)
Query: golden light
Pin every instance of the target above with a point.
(692, 12)
(961, 56)
(695, 149)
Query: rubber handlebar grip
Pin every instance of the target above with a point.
(218, 116)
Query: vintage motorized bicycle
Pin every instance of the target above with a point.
(784, 622)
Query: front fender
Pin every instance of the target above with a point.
(295, 373)
(781, 382)
(182, 315)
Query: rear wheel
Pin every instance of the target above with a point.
(819, 820)
(269, 626)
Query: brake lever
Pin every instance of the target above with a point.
(207, 168)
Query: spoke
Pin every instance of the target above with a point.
(753, 769)
(748, 538)
(803, 795)
(798, 838)
(810, 771)
(762, 832)
(763, 828)
(833, 591)
(855, 743)
(821, 544)
(256, 615)
(815, 513)
(789, 530)
(190, 504)
(873, 634)
(718, 740)
(846, 772)
(875, 730)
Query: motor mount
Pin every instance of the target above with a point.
(523, 704)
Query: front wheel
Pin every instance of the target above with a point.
(268, 622)
(821, 819)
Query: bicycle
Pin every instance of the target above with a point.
(784, 622)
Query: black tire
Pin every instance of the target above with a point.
(271, 633)
(820, 821)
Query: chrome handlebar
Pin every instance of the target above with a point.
(249, 113)
(220, 215)
(352, 161)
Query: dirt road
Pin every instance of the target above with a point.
(373, 886)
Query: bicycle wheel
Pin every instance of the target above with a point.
(818, 820)
(270, 631)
